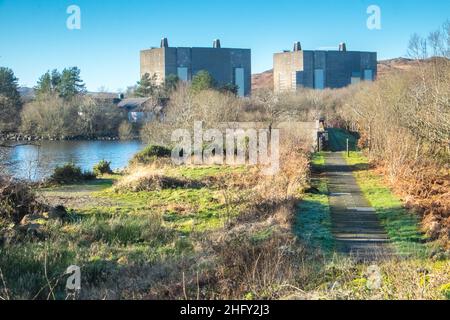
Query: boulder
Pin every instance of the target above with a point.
(29, 219)
(56, 213)
(34, 230)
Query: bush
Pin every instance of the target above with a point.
(445, 290)
(146, 179)
(52, 116)
(126, 131)
(103, 167)
(16, 200)
(150, 153)
(69, 173)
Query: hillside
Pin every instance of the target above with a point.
(265, 79)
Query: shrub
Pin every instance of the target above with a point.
(125, 131)
(103, 167)
(16, 200)
(69, 173)
(150, 153)
(144, 179)
(445, 290)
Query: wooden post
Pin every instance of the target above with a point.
(348, 148)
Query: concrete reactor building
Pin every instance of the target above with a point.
(322, 69)
(225, 65)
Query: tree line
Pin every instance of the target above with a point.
(62, 108)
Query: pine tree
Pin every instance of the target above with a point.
(67, 84)
(147, 86)
(203, 81)
(9, 87)
(71, 84)
(10, 101)
(44, 85)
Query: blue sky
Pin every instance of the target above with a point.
(34, 37)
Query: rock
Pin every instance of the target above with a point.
(34, 230)
(7, 237)
(312, 190)
(29, 219)
(434, 230)
(56, 213)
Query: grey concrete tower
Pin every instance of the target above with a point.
(226, 65)
(322, 69)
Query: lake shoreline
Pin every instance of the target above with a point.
(36, 160)
(19, 137)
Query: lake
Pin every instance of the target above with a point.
(36, 162)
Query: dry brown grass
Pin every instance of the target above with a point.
(426, 191)
(404, 122)
(16, 200)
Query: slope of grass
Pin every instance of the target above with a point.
(108, 232)
(318, 159)
(313, 221)
(402, 227)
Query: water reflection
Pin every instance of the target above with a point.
(35, 162)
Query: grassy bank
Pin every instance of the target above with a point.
(402, 226)
(223, 234)
(313, 221)
(157, 232)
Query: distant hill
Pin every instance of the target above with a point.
(265, 79)
(27, 94)
(397, 64)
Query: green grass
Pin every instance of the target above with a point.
(313, 220)
(115, 231)
(402, 226)
(184, 210)
(338, 140)
(103, 183)
(201, 172)
(318, 159)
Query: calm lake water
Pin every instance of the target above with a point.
(37, 162)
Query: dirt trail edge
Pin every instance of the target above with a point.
(355, 225)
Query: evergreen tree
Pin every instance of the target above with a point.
(10, 101)
(202, 81)
(56, 79)
(67, 84)
(171, 83)
(9, 87)
(146, 87)
(71, 84)
(44, 85)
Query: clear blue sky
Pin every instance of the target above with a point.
(34, 37)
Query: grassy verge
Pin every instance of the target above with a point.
(402, 227)
(172, 244)
(109, 233)
(313, 221)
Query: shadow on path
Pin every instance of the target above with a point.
(355, 225)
